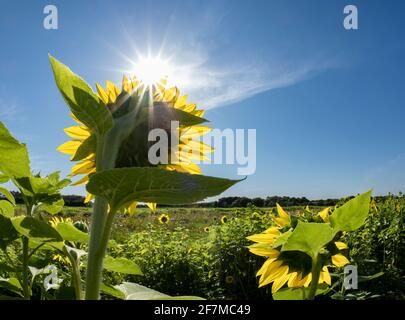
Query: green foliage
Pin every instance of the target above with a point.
(352, 214)
(123, 186)
(121, 265)
(379, 246)
(83, 102)
(14, 160)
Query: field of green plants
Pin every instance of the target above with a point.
(203, 252)
(113, 249)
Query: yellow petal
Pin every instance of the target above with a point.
(102, 94)
(270, 268)
(151, 206)
(83, 167)
(126, 85)
(273, 230)
(77, 132)
(69, 147)
(341, 245)
(307, 280)
(271, 253)
(171, 95)
(282, 213)
(264, 267)
(279, 282)
(263, 237)
(194, 131)
(273, 275)
(326, 275)
(88, 198)
(189, 108)
(132, 208)
(198, 113)
(324, 214)
(181, 102)
(292, 279)
(198, 146)
(339, 260)
(191, 168)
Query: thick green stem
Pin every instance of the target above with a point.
(316, 272)
(25, 259)
(76, 278)
(25, 283)
(96, 249)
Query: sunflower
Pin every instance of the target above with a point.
(115, 100)
(230, 279)
(207, 229)
(164, 219)
(61, 259)
(224, 219)
(289, 267)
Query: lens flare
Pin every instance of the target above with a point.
(152, 70)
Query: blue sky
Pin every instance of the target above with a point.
(327, 103)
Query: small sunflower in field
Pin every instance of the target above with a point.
(134, 150)
(61, 259)
(206, 229)
(164, 219)
(291, 268)
(224, 219)
(230, 279)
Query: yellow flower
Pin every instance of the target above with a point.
(113, 97)
(62, 259)
(291, 268)
(206, 229)
(224, 219)
(54, 221)
(164, 219)
(230, 279)
(283, 219)
(324, 214)
(339, 260)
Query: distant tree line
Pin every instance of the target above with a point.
(226, 202)
(70, 200)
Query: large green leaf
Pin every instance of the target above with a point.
(83, 102)
(7, 232)
(309, 237)
(352, 214)
(6, 208)
(43, 191)
(122, 186)
(134, 291)
(9, 196)
(70, 233)
(297, 293)
(14, 161)
(35, 229)
(11, 284)
(121, 265)
(86, 148)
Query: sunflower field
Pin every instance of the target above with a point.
(116, 250)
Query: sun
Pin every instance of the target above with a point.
(151, 70)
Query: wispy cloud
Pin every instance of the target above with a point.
(8, 107)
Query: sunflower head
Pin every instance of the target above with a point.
(229, 279)
(164, 219)
(136, 110)
(207, 229)
(224, 219)
(291, 268)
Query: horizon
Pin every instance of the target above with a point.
(327, 103)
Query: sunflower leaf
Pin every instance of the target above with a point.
(9, 196)
(352, 214)
(83, 102)
(123, 186)
(70, 233)
(35, 229)
(86, 148)
(122, 265)
(309, 237)
(14, 161)
(6, 209)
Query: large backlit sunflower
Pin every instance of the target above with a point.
(114, 99)
(291, 268)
